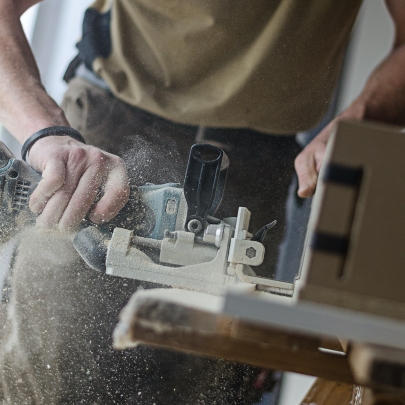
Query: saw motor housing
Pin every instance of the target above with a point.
(17, 181)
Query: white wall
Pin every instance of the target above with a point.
(58, 28)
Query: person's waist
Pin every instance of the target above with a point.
(90, 76)
(220, 136)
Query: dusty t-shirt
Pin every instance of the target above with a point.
(269, 65)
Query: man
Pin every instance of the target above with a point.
(151, 77)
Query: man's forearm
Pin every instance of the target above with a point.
(383, 97)
(25, 106)
(384, 93)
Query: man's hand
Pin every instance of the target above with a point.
(73, 173)
(382, 99)
(72, 176)
(309, 161)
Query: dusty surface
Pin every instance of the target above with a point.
(186, 298)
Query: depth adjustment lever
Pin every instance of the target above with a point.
(204, 185)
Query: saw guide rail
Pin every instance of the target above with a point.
(210, 266)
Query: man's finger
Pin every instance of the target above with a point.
(116, 193)
(305, 166)
(82, 198)
(53, 178)
(73, 174)
(57, 203)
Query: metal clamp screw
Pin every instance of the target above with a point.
(250, 252)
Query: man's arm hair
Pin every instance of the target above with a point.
(384, 93)
(24, 5)
(25, 106)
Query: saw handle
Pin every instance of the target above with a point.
(204, 184)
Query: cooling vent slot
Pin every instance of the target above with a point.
(20, 200)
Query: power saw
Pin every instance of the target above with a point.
(166, 234)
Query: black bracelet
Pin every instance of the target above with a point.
(51, 131)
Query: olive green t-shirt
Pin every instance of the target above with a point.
(268, 65)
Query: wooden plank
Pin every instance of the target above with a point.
(153, 320)
(316, 319)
